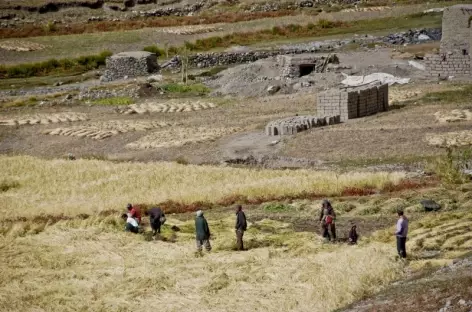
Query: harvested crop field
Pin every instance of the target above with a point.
(104, 130)
(43, 119)
(177, 136)
(175, 106)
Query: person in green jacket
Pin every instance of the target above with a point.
(202, 232)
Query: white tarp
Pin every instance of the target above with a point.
(354, 81)
(417, 65)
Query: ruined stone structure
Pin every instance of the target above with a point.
(294, 125)
(353, 102)
(294, 66)
(456, 42)
(130, 64)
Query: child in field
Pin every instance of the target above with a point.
(131, 223)
(353, 235)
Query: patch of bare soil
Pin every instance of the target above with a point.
(446, 290)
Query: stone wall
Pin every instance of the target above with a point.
(446, 65)
(130, 64)
(352, 103)
(296, 124)
(205, 60)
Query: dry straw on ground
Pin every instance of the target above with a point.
(43, 119)
(453, 116)
(21, 46)
(102, 130)
(449, 139)
(87, 186)
(168, 107)
(75, 268)
(173, 137)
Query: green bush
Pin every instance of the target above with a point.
(7, 184)
(323, 23)
(79, 64)
(156, 50)
(449, 167)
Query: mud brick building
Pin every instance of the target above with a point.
(454, 56)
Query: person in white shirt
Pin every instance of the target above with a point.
(131, 223)
(401, 233)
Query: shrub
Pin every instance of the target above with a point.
(118, 100)
(449, 167)
(276, 207)
(156, 50)
(323, 23)
(51, 66)
(8, 184)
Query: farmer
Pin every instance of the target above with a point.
(401, 234)
(135, 213)
(202, 232)
(131, 223)
(241, 226)
(156, 219)
(327, 219)
(353, 235)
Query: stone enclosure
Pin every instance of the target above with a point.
(335, 106)
(454, 56)
(130, 64)
(294, 66)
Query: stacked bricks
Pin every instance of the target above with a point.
(294, 125)
(130, 64)
(456, 43)
(354, 102)
(448, 65)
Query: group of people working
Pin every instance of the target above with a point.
(327, 219)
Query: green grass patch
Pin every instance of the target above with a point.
(196, 88)
(321, 28)
(277, 207)
(450, 96)
(119, 100)
(7, 184)
(53, 66)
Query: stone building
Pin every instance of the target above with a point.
(353, 102)
(294, 66)
(130, 64)
(454, 56)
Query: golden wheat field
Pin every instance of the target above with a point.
(85, 265)
(90, 186)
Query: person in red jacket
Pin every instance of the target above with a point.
(134, 212)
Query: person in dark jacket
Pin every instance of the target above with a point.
(327, 219)
(353, 235)
(202, 232)
(156, 219)
(401, 232)
(241, 226)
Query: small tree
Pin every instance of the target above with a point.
(184, 64)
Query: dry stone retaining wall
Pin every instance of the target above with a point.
(353, 103)
(130, 64)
